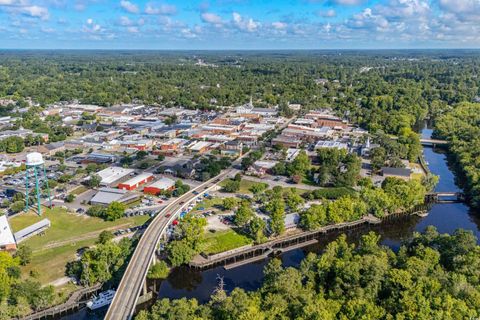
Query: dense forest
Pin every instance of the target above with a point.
(381, 90)
(461, 126)
(432, 276)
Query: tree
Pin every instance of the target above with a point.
(300, 165)
(17, 206)
(140, 155)
(94, 181)
(180, 252)
(232, 186)
(114, 211)
(104, 237)
(70, 197)
(314, 217)
(243, 214)
(24, 253)
(377, 158)
(258, 188)
(158, 270)
(229, 203)
(257, 229)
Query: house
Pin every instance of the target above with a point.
(160, 185)
(401, 173)
(136, 181)
(182, 169)
(232, 148)
(7, 241)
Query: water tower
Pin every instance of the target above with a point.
(36, 165)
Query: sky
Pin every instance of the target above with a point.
(239, 24)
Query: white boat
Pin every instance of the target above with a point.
(103, 299)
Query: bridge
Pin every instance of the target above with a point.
(444, 197)
(428, 141)
(133, 283)
(433, 142)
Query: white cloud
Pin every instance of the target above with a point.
(129, 6)
(133, 30)
(163, 9)
(240, 23)
(35, 11)
(279, 25)
(327, 13)
(211, 18)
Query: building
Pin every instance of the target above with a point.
(260, 168)
(159, 186)
(51, 148)
(111, 174)
(32, 230)
(287, 142)
(99, 158)
(401, 173)
(105, 196)
(331, 145)
(292, 153)
(291, 220)
(7, 241)
(136, 181)
(199, 147)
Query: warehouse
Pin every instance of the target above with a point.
(136, 182)
(105, 196)
(112, 174)
(161, 185)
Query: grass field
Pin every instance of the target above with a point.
(79, 190)
(67, 234)
(209, 203)
(224, 240)
(244, 185)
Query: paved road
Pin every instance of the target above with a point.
(125, 300)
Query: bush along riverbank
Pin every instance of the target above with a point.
(460, 127)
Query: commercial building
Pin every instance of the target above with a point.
(7, 241)
(112, 174)
(136, 182)
(331, 145)
(158, 186)
(105, 196)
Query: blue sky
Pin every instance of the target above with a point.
(239, 24)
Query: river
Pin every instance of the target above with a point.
(184, 282)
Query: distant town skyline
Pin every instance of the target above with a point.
(239, 24)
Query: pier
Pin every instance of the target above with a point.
(77, 300)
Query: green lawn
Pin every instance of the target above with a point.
(67, 234)
(220, 241)
(245, 185)
(209, 203)
(79, 190)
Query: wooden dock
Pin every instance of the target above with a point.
(243, 255)
(74, 302)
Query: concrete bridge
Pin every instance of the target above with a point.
(133, 286)
(444, 197)
(433, 142)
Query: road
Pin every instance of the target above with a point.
(125, 300)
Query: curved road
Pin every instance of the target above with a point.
(125, 300)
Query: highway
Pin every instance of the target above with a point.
(125, 300)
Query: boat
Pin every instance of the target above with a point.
(103, 299)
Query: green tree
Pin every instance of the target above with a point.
(24, 253)
(229, 203)
(114, 211)
(243, 214)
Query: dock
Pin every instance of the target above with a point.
(74, 302)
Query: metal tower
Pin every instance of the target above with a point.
(36, 164)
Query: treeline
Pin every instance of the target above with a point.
(394, 195)
(461, 128)
(21, 294)
(393, 94)
(432, 276)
